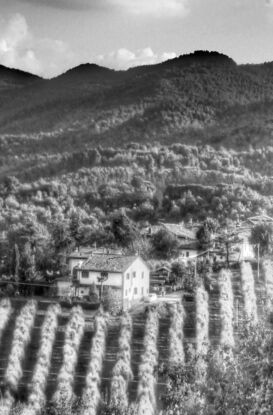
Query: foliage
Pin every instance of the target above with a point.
(91, 393)
(262, 234)
(164, 244)
(238, 383)
(123, 229)
(205, 233)
(111, 203)
(112, 300)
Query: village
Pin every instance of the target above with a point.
(95, 273)
(110, 333)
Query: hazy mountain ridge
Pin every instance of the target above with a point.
(198, 98)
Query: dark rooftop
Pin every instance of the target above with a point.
(110, 263)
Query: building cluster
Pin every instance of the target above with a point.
(98, 271)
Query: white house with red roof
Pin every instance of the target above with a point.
(130, 275)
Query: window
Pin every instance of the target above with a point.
(142, 275)
(127, 276)
(135, 290)
(142, 291)
(85, 274)
(187, 254)
(126, 293)
(134, 274)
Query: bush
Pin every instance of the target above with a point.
(112, 301)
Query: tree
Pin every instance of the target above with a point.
(237, 382)
(178, 270)
(16, 262)
(262, 234)
(112, 301)
(205, 233)
(123, 229)
(75, 227)
(164, 244)
(28, 269)
(101, 279)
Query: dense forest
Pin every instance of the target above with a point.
(106, 196)
(95, 155)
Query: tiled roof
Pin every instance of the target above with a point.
(180, 231)
(190, 245)
(82, 253)
(109, 263)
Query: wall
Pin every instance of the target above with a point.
(183, 254)
(133, 288)
(114, 279)
(141, 284)
(63, 288)
(73, 262)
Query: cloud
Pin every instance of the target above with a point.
(64, 4)
(154, 8)
(20, 49)
(269, 3)
(124, 58)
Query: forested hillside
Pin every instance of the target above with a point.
(189, 138)
(199, 98)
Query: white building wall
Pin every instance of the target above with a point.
(113, 280)
(136, 282)
(186, 255)
(73, 262)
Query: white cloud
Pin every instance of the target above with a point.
(20, 49)
(269, 3)
(124, 58)
(154, 8)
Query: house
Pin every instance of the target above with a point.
(127, 274)
(179, 230)
(188, 251)
(77, 257)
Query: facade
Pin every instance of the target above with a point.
(129, 275)
(63, 287)
(188, 251)
(77, 257)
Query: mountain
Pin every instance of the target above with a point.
(188, 138)
(203, 98)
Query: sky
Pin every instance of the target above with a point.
(47, 37)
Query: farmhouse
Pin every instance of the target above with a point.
(81, 254)
(127, 274)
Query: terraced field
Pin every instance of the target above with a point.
(152, 336)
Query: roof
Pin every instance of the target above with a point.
(109, 263)
(260, 218)
(180, 231)
(81, 254)
(194, 245)
(163, 268)
(84, 253)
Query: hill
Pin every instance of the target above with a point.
(187, 138)
(14, 78)
(201, 98)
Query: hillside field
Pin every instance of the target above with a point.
(210, 319)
